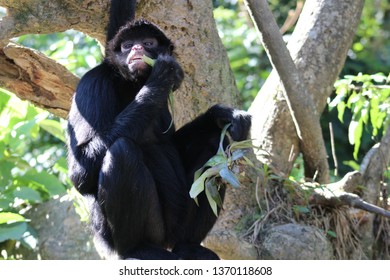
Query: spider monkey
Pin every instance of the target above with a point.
(128, 159)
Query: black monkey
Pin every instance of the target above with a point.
(127, 158)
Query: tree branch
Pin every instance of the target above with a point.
(373, 166)
(292, 17)
(42, 17)
(335, 195)
(33, 76)
(300, 103)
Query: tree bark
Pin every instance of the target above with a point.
(34, 77)
(298, 100)
(318, 46)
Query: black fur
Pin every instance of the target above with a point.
(138, 175)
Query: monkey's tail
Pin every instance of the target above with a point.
(121, 12)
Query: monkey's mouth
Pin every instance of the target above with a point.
(134, 58)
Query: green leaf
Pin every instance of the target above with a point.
(26, 128)
(5, 96)
(28, 194)
(357, 135)
(331, 233)
(215, 160)
(54, 128)
(212, 202)
(353, 164)
(199, 185)
(341, 92)
(148, 60)
(9, 218)
(211, 186)
(341, 109)
(351, 131)
(5, 203)
(198, 173)
(244, 144)
(61, 165)
(223, 134)
(229, 177)
(374, 115)
(50, 182)
(237, 154)
(12, 231)
(378, 78)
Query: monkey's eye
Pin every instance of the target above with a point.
(125, 46)
(150, 42)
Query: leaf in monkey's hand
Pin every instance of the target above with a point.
(148, 60)
(212, 187)
(215, 160)
(212, 202)
(229, 177)
(198, 186)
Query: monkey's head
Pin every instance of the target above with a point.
(133, 40)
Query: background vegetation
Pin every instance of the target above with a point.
(32, 141)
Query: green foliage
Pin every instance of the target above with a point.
(76, 51)
(370, 52)
(223, 167)
(247, 57)
(368, 98)
(244, 50)
(32, 163)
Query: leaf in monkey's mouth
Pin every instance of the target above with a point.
(148, 60)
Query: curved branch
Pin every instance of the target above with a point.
(335, 195)
(300, 103)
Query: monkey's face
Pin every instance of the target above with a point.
(134, 40)
(135, 49)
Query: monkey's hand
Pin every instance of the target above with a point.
(240, 120)
(166, 73)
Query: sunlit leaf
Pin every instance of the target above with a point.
(51, 183)
(9, 218)
(353, 164)
(54, 128)
(61, 165)
(341, 109)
